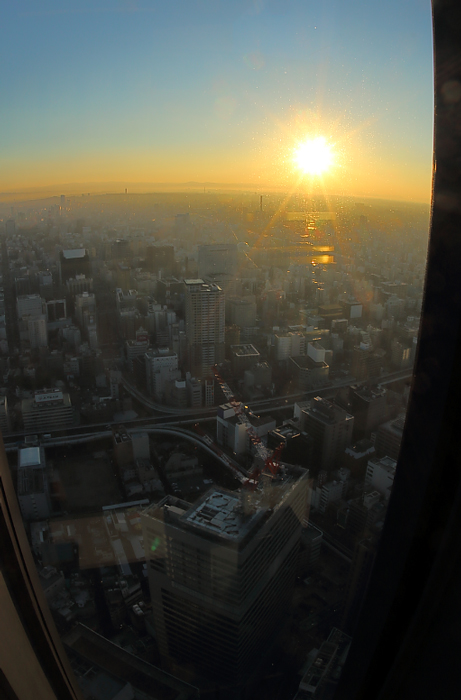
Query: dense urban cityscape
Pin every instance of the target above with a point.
(202, 404)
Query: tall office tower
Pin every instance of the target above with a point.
(56, 310)
(79, 284)
(369, 407)
(221, 575)
(331, 427)
(32, 484)
(84, 302)
(72, 263)
(37, 331)
(30, 305)
(219, 259)
(205, 314)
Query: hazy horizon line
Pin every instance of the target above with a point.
(95, 188)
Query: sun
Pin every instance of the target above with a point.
(314, 156)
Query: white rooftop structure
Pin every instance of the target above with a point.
(29, 457)
(221, 513)
(74, 253)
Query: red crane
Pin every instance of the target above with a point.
(270, 459)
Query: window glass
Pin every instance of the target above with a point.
(214, 223)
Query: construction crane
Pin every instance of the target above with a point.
(269, 459)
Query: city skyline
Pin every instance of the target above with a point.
(219, 93)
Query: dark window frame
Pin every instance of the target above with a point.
(418, 565)
(408, 635)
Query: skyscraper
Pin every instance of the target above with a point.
(72, 263)
(331, 428)
(205, 318)
(221, 574)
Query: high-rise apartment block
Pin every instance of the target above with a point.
(221, 574)
(205, 315)
(331, 428)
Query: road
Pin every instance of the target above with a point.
(182, 417)
(205, 443)
(261, 406)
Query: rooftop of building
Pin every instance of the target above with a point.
(27, 296)
(360, 449)
(244, 350)
(395, 425)
(386, 463)
(326, 665)
(160, 352)
(29, 456)
(306, 362)
(74, 253)
(121, 436)
(137, 343)
(47, 398)
(228, 517)
(199, 285)
(369, 393)
(317, 345)
(285, 432)
(256, 421)
(326, 411)
(329, 309)
(223, 513)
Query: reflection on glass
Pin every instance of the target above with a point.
(214, 229)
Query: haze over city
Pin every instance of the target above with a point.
(214, 224)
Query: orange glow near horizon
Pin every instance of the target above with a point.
(278, 164)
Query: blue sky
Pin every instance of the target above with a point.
(209, 90)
